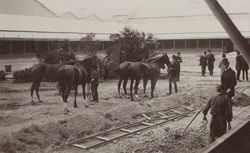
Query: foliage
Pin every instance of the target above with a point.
(23, 75)
(55, 57)
(135, 45)
(2, 75)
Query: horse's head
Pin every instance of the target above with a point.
(90, 62)
(165, 59)
(161, 60)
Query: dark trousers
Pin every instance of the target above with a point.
(172, 80)
(203, 70)
(178, 74)
(94, 88)
(238, 74)
(211, 71)
(245, 73)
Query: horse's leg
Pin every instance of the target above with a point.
(125, 85)
(119, 86)
(131, 88)
(153, 82)
(88, 94)
(32, 90)
(67, 91)
(37, 91)
(137, 82)
(63, 89)
(76, 88)
(145, 81)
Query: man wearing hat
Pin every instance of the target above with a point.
(228, 80)
(219, 110)
(210, 62)
(203, 63)
(172, 71)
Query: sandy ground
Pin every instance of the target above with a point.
(44, 128)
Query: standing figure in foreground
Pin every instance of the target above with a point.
(222, 63)
(173, 74)
(94, 84)
(238, 66)
(228, 80)
(244, 68)
(210, 61)
(179, 61)
(203, 63)
(220, 114)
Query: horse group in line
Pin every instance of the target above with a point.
(148, 69)
(69, 75)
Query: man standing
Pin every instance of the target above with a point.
(172, 70)
(94, 84)
(220, 114)
(210, 61)
(239, 60)
(179, 61)
(228, 80)
(203, 63)
(245, 68)
(222, 65)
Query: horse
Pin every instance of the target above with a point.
(154, 65)
(123, 71)
(45, 71)
(70, 76)
(147, 69)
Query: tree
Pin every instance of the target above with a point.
(135, 45)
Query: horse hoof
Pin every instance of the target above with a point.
(40, 101)
(75, 106)
(32, 102)
(86, 105)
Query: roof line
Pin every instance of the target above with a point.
(41, 4)
(73, 32)
(177, 16)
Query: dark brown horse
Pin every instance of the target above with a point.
(154, 66)
(44, 71)
(148, 69)
(70, 76)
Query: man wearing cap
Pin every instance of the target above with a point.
(172, 70)
(219, 110)
(179, 61)
(203, 63)
(228, 80)
(210, 62)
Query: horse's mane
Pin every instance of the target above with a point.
(154, 58)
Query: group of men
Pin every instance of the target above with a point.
(207, 60)
(221, 104)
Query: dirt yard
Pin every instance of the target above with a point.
(42, 128)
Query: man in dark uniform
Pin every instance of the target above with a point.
(238, 66)
(172, 70)
(220, 114)
(210, 62)
(245, 68)
(179, 61)
(94, 84)
(203, 63)
(228, 80)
